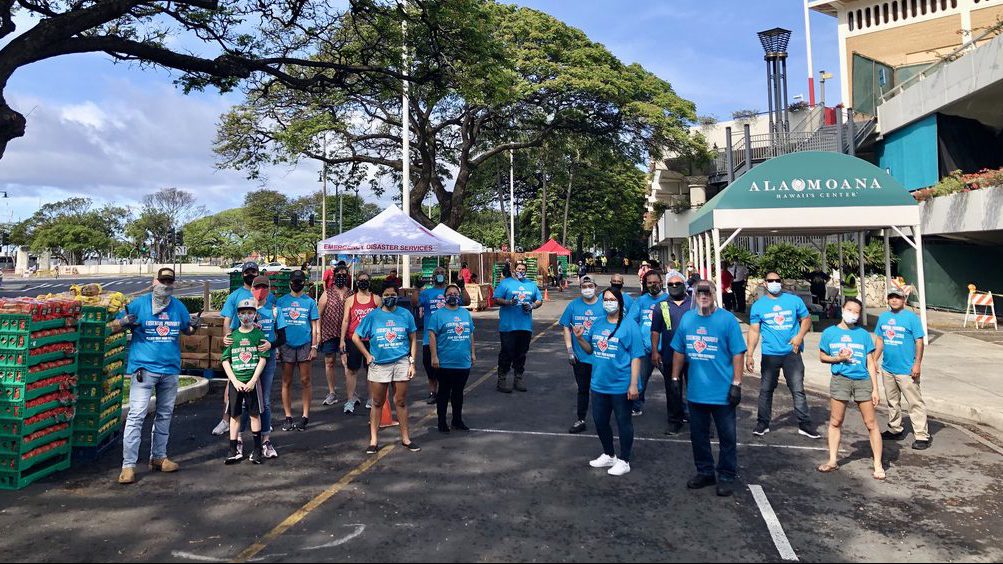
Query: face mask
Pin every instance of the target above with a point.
(588, 293)
(260, 294)
(654, 290)
(390, 302)
(246, 318)
(850, 318)
(297, 286)
(677, 292)
(610, 306)
(341, 281)
(774, 288)
(440, 279)
(249, 278)
(616, 286)
(452, 300)
(362, 284)
(162, 292)
(520, 275)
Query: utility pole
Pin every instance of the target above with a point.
(406, 142)
(511, 200)
(323, 206)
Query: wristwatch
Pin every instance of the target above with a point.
(410, 359)
(314, 347)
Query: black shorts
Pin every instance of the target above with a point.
(331, 347)
(235, 401)
(426, 361)
(355, 358)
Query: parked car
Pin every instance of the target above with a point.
(236, 267)
(274, 267)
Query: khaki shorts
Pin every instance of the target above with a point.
(842, 388)
(391, 372)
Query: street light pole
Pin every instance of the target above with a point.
(323, 207)
(511, 196)
(406, 145)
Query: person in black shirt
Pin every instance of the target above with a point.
(664, 321)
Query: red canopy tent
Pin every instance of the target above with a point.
(552, 246)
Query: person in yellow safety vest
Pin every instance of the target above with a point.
(849, 284)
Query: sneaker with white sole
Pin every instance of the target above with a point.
(619, 469)
(240, 447)
(761, 429)
(269, 450)
(331, 399)
(369, 404)
(350, 407)
(809, 431)
(604, 461)
(221, 428)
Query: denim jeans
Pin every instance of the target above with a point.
(267, 377)
(724, 419)
(514, 346)
(793, 367)
(605, 405)
(165, 386)
(642, 381)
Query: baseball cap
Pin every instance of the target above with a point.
(587, 278)
(165, 274)
(895, 292)
(250, 266)
(261, 280)
(298, 275)
(247, 304)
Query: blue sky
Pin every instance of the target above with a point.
(114, 132)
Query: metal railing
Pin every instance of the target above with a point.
(950, 58)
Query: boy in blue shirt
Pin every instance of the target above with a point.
(900, 348)
(710, 340)
(518, 297)
(782, 320)
(302, 319)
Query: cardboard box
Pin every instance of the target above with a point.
(216, 345)
(194, 344)
(194, 361)
(215, 360)
(212, 319)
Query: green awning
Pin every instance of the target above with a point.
(809, 191)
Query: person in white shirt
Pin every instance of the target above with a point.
(738, 284)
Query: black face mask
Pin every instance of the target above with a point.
(616, 286)
(297, 286)
(362, 284)
(341, 281)
(249, 278)
(677, 292)
(654, 290)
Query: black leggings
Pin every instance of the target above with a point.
(583, 377)
(451, 384)
(514, 346)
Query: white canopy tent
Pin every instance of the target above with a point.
(467, 245)
(389, 233)
(810, 193)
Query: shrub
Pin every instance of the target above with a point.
(790, 261)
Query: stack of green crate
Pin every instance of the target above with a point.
(532, 268)
(102, 357)
(37, 384)
(280, 282)
(236, 280)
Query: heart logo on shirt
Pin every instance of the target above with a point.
(294, 314)
(163, 330)
(845, 350)
(587, 324)
(245, 357)
(699, 346)
(390, 336)
(602, 344)
(779, 319)
(459, 329)
(890, 334)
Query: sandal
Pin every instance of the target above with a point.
(373, 449)
(826, 468)
(879, 476)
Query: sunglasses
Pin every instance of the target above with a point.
(705, 291)
(165, 280)
(773, 280)
(674, 284)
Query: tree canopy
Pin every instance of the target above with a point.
(71, 229)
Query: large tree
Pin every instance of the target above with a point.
(522, 78)
(71, 229)
(233, 40)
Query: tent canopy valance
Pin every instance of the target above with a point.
(389, 233)
(552, 246)
(467, 245)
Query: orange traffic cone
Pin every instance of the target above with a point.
(546, 294)
(386, 418)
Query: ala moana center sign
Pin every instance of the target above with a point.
(816, 187)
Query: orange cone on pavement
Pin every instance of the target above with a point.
(546, 294)
(387, 418)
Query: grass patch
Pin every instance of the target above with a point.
(182, 382)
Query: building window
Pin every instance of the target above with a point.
(884, 10)
(943, 5)
(933, 6)
(915, 8)
(922, 7)
(860, 19)
(867, 16)
(895, 10)
(851, 20)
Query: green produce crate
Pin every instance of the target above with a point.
(95, 314)
(24, 342)
(19, 427)
(12, 358)
(100, 345)
(87, 445)
(99, 405)
(13, 392)
(24, 375)
(95, 421)
(98, 376)
(24, 408)
(17, 446)
(22, 323)
(95, 331)
(41, 466)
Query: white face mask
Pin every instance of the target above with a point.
(850, 318)
(611, 306)
(588, 293)
(774, 287)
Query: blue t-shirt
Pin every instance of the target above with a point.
(453, 330)
(779, 321)
(628, 302)
(389, 334)
(270, 320)
(612, 355)
(237, 296)
(156, 340)
(579, 313)
(899, 331)
(858, 341)
(298, 314)
(430, 300)
(512, 317)
(668, 331)
(640, 313)
(710, 343)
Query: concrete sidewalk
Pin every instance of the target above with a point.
(962, 377)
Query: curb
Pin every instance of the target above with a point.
(946, 410)
(188, 394)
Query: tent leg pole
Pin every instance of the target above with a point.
(861, 286)
(839, 244)
(921, 280)
(888, 259)
(717, 266)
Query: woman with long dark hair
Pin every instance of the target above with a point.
(616, 349)
(450, 333)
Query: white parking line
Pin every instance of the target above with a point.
(644, 439)
(773, 524)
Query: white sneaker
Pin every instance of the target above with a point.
(369, 404)
(222, 427)
(619, 469)
(269, 450)
(603, 461)
(331, 399)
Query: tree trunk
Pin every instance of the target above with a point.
(501, 205)
(567, 199)
(543, 211)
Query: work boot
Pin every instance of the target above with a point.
(503, 385)
(128, 476)
(519, 385)
(164, 465)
